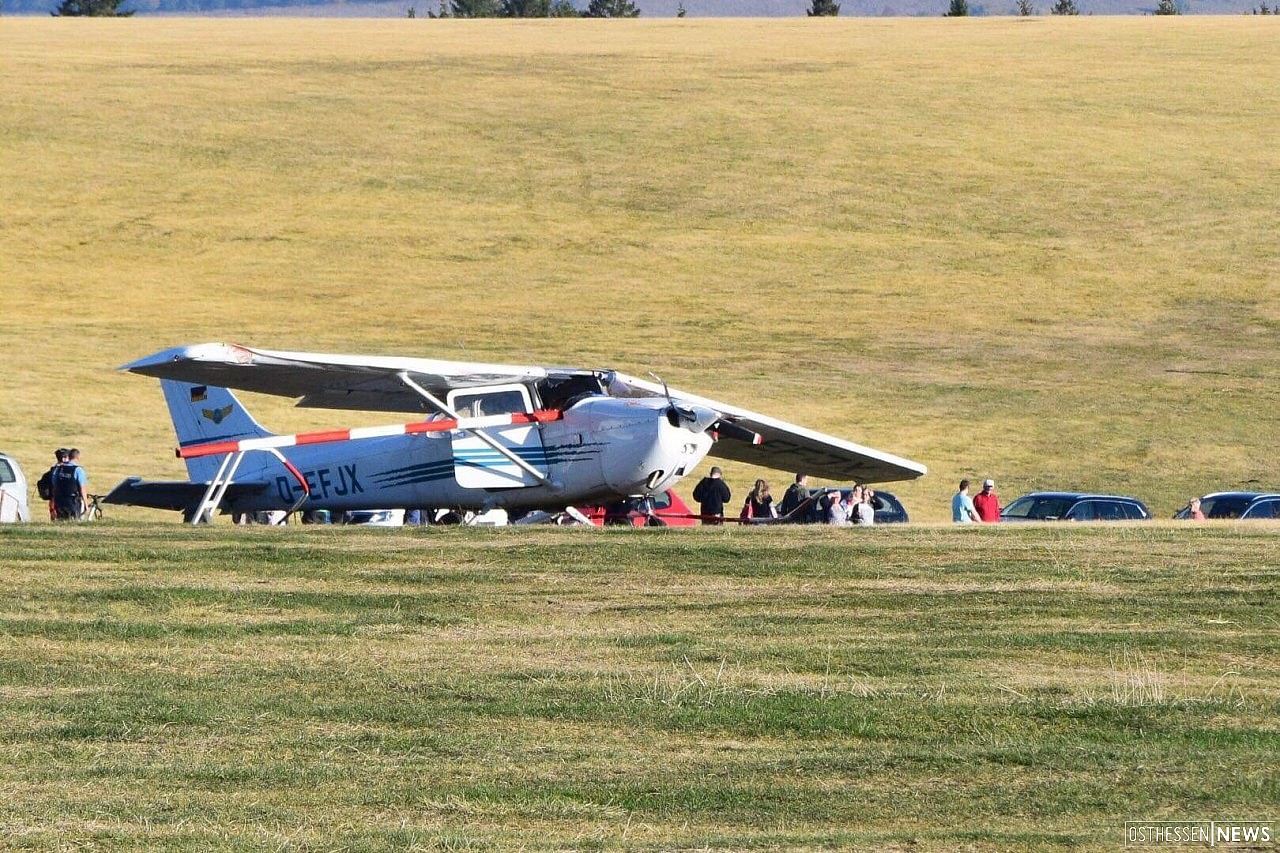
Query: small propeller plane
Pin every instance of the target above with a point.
(484, 436)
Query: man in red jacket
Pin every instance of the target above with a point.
(986, 502)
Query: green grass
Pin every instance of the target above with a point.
(445, 689)
(1032, 249)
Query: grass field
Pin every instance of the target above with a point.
(1041, 250)
(927, 688)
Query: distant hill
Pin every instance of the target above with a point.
(649, 8)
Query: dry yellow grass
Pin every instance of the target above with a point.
(1038, 249)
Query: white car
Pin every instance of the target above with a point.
(395, 517)
(375, 517)
(13, 491)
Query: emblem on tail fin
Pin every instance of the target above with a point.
(216, 415)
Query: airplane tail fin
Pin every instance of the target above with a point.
(203, 413)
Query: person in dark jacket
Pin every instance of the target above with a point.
(796, 494)
(712, 493)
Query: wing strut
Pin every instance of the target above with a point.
(403, 376)
(226, 472)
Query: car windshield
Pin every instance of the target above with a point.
(1226, 506)
(1034, 508)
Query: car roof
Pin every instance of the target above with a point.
(1249, 496)
(825, 489)
(1076, 496)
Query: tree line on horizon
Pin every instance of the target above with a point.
(532, 8)
(446, 8)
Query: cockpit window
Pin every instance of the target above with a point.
(490, 401)
(561, 392)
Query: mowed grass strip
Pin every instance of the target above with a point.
(381, 689)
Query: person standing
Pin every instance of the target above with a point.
(712, 493)
(70, 488)
(865, 511)
(852, 503)
(44, 486)
(759, 503)
(837, 509)
(987, 502)
(962, 511)
(796, 494)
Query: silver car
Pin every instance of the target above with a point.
(13, 491)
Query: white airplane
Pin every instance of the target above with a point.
(493, 435)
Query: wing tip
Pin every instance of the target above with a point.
(150, 365)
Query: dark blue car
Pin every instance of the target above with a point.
(1074, 506)
(1244, 505)
(888, 509)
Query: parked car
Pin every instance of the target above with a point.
(1074, 506)
(374, 517)
(1243, 505)
(888, 509)
(666, 509)
(496, 517)
(13, 491)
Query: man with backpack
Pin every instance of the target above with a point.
(70, 488)
(44, 486)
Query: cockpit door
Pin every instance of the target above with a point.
(476, 465)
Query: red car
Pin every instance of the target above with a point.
(662, 510)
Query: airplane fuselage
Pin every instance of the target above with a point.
(602, 448)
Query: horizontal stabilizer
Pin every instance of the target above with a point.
(177, 495)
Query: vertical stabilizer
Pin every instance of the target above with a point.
(203, 413)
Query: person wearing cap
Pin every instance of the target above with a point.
(987, 502)
(712, 493)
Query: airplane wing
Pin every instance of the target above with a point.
(782, 446)
(324, 381)
(372, 383)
